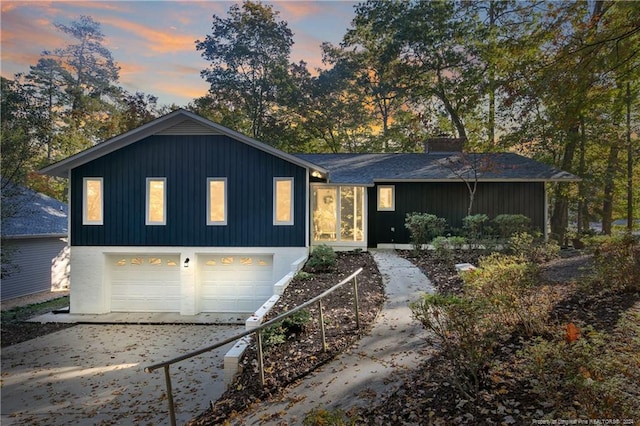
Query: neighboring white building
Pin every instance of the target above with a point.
(34, 238)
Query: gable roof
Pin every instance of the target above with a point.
(32, 214)
(178, 122)
(366, 169)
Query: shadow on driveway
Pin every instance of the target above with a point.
(94, 374)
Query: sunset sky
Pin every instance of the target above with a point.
(153, 41)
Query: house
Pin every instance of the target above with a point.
(389, 186)
(34, 233)
(184, 215)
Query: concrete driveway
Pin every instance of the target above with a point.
(94, 374)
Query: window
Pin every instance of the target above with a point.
(338, 213)
(92, 208)
(386, 198)
(216, 201)
(283, 201)
(156, 201)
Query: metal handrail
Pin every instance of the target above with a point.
(258, 332)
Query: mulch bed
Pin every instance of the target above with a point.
(301, 353)
(15, 329)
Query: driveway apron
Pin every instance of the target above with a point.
(373, 367)
(94, 374)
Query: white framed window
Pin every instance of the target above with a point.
(92, 201)
(283, 201)
(156, 201)
(386, 198)
(216, 201)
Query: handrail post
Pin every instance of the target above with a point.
(172, 411)
(260, 356)
(324, 342)
(355, 298)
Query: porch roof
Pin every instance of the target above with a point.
(366, 169)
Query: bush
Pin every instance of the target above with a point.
(474, 226)
(445, 246)
(288, 327)
(595, 376)
(459, 328)
(423, 228)
(617, 265)
(510, 224)
(324, 417)
(507, 283)
(322, 259)
(532, 248)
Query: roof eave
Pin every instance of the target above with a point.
(61, 168)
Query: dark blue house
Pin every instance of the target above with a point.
(184, 215)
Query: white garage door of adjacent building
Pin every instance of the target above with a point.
(234, 283)
(145, 283)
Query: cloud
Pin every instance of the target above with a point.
(296, 10)
(156, 41)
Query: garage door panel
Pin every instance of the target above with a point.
(234, 283)
(145, 283)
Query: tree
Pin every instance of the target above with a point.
(249, 54)
(46, 83)
(441, 64)
(372, 53)
(93, 71)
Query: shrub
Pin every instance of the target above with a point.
(507, 283)
(510, 224)
(322, 259)
(617, 265)
(459, 328)
(594, 376)
(445, 246)
(532, 248)
(423, 228)
(290, 326)
(474, 226)
(324, 417)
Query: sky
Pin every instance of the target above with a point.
(153, 42)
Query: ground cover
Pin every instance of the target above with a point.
(15, 329)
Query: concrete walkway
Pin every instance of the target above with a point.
(373, 367)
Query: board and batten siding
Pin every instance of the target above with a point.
(34, 257)
(450, 201)
(186, 161)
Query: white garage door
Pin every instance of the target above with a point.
(234, 283)
(145, 283)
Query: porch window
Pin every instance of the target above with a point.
(338, 213)
(92, 208)
(386, 198)
(216, 201)
(156, 201)
(283, 201)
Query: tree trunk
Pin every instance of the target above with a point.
(609, 184)
(560, 214)
(583, 212)
(629, 163)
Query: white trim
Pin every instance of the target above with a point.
(277, 222)
(147, 219)
(226, 213)
(162, 124)
(393, 198)
(85, 212)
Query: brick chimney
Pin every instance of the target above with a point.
(443, 144)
